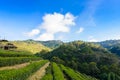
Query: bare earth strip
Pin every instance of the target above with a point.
(40, 73)
(18, 66)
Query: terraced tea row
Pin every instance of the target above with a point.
(36, 70)
(60, 72)
(22, 73)
(39, 73)
(74, 75)
(8, 61)
(57, 73)
(15, 53)
(17, 66)
(49, 73)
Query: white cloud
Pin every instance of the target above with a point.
(45, 36)
(55, 23)
(61, 37)
(32, 33)
(80, 30)
(92, 39)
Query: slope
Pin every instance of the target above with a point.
(32, 47)
(88, 58)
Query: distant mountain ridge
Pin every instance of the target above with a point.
(50, 43)
(111, 45)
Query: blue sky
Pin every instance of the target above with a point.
(66, 20)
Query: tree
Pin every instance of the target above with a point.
(111, 76)
(93, 69)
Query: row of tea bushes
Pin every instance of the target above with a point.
(22, 73)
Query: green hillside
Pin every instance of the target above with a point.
(87, 58)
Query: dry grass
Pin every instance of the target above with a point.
(18, 66)
(40, 73)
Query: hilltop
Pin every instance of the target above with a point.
(50, 43)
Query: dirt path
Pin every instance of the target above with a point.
(40, 73)
(15, 66)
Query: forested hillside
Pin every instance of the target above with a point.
(88, 58)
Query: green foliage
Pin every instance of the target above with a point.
(8, 61)
(56, 59)
(47, 77)
(93, 69)
(42, 53)
(58, 75)
(23, 73)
